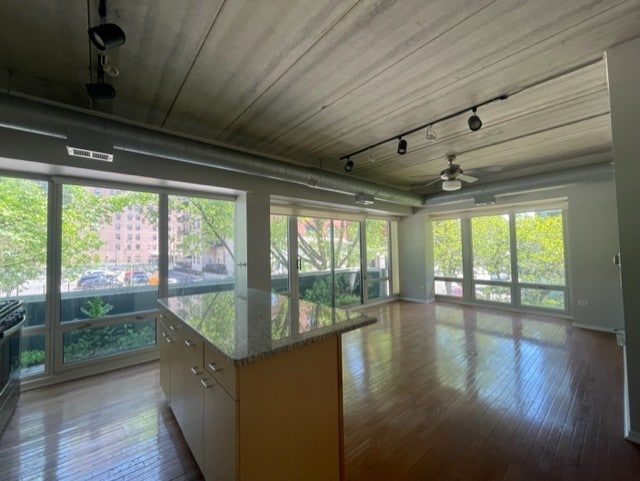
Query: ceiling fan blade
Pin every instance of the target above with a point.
(467, 178)
(489, 169)
(434, 181)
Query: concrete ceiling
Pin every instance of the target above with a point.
(310, 81)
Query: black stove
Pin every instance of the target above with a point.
(12, 318)
(12, 313)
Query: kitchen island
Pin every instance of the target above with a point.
(254, 380)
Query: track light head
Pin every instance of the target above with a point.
(106, 36)
(402, 146)
(100, 90)
(474, 121)
(348, 165)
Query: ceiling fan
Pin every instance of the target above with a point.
(453, 176)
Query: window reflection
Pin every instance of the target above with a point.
(490, 355)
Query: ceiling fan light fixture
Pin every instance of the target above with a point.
(402, 146)
(106, 36)
(474, 121)
(449, 185)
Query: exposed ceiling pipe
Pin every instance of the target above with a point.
(46, 119)
(530, 183)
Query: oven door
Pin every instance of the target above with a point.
(9, 373)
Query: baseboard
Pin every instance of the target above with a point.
(421, 301)
(633, 437)
(594, 328)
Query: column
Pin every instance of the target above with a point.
(623, 70)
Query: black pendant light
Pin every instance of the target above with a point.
(106, 36)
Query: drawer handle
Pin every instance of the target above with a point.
(204, 383)
(188, 343)
(195, 370)
(172, 327)
(168, 339)
(213, 367)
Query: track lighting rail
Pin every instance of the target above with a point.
(473, 108)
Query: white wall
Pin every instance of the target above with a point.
(592, 240)
(415, 258)
(623, 74)
(592, 230)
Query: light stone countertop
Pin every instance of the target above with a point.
(248, 326)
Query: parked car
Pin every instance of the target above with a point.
(133, 278)
(219, 269)
(154, 279)
(96, 280)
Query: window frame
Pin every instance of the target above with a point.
(515, 285)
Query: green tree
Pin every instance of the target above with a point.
(491, 247)
(447, 248)
(23, 227)
(279, 242)
(540, 247)
(541, 256)
(83, 213)
(206, 222)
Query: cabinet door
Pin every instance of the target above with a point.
(165, 344)
(219, 433)
(191, 423)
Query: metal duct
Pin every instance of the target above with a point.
(45, 119)
(530, 183)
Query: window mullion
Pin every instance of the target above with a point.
(467, 260)
(513, 241)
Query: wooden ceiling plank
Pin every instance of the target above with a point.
(252, 45)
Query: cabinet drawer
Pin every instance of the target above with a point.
(192, 343)
(172, 325)
(221, 369)
(166, 335)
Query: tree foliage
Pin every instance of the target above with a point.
(540, 253)
(206, 222)
(540, 247)
(447, 248)
(23, 227)
(491, 248)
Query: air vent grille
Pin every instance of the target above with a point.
(89, 154)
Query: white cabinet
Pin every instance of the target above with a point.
(220, 438)
(165, 346)
(275, 418)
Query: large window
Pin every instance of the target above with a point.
(329, 261)
(378, 243)
(330, 257)
(101, 257)
(279, 253)
(491, 252)
(23, 261)
(516, 259)
(200, 252)
(541, 262)
(105, 289)
(447, 256)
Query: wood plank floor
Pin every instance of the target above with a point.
(432, 392)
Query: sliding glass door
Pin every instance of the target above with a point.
(109, 250)
(330, 257)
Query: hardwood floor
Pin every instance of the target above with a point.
(431, 392)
